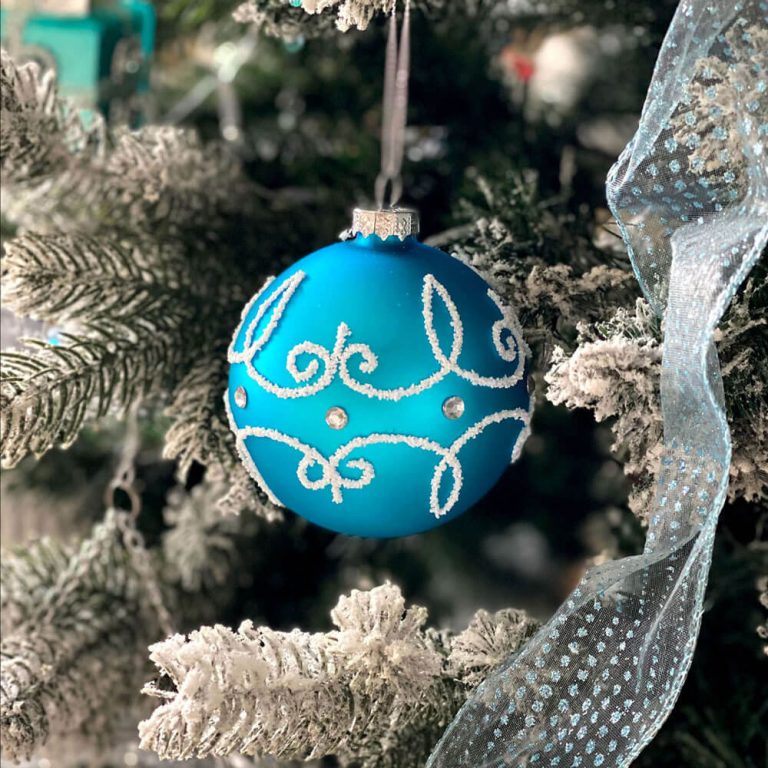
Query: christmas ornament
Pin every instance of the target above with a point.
(378, 386)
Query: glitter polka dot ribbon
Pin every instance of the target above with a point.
(690, 193)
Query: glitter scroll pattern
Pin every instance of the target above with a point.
(690, 193)
(333, 468)
(346, 469)
(326, 364)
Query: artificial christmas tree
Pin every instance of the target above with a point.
(139, 249)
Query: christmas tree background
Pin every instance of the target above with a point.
(133, 252)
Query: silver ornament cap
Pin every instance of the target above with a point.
(385, 222)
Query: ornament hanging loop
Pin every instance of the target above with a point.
(385, 184)
(395, 110)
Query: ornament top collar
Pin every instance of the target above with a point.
(384, 223)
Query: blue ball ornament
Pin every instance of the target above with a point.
(378, 387)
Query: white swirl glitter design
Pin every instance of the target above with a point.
(325, 364)
(333, 467)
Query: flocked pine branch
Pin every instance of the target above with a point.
(199, 544)
(199, 432)
(615, 371)
(59, 176)
(26, 577)
(132, 280)
(710, 122)
(486, 643)
(69, 667)
(38, 134)
(310, 18)
(141, 312)
(239, 494)
(200, 547)
(518, 243)
(159, 181)
(48, 391)
(58, 278)
(376, 691)
(742, 344)
(159, 186)
(615, 374)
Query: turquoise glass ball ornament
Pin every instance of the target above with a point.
(378, 387)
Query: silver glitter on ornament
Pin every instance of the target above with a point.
(241, 397)
(336, 417)
(453, 408)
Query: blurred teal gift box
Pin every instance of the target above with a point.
(101, 51)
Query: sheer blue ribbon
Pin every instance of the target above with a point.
(690, 193)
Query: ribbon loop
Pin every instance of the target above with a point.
(395, 109)
(690, 194)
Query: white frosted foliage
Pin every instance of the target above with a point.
(375, 691)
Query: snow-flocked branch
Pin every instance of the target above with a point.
(69, 664)
(375, 691)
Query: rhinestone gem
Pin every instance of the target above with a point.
(453, 407)
(241, 397)
(336, 417)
